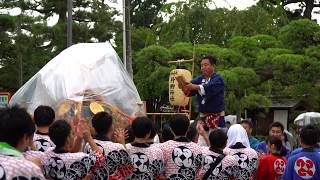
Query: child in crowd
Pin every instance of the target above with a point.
(43, 117)
(272, 166)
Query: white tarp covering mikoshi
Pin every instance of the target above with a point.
(78, 73)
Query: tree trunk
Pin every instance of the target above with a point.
(19, 53)
(238, 115)
(128, 40)
(69, 24)
(62, 9)
(309, 7)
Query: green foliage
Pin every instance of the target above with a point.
(38, 42)
(314, 52)
(144, 12)
(299, 34)
(181, 50)
(264, 57)
(256, 20)
(152, 73)
(246, 46)
(266, 41)
(227, 57)
(240, 94)
(253, 101)
(142, 37)
(195, 22)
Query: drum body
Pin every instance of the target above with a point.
(176, 95)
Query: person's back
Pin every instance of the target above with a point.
(42, 142)
(17, 167)
(67, 165)
(226, 169)
(61, 163)
(238, 146)
(182, 158)
(43, 117)
(272, 166)
(247, 159)
(147, 159)
(305, 164)
(16, 130)
(116, 156)
(299, 149)
(217, 165)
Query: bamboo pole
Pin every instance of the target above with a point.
(180, 61)
(192, 73)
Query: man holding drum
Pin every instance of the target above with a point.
(209, 89)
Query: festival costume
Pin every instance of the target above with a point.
(226, 169)
(117, 160)
(42, 141)
(271, 166)
(14, 166)
(147, 160)
(262, 146)
(238, 146)
(182, 159)
(298, 150)
(253, 142)
(60, 164)
(304, 165)
(210, 99)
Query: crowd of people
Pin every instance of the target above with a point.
(41, 147)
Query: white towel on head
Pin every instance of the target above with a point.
(237, 133)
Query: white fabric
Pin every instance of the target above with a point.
(156, 139)
(237, 133)
(202, 141)
(202, 91)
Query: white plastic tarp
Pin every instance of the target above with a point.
(78, 73)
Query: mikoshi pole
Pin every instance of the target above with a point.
(69, 24)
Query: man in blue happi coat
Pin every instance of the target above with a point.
(209, 89)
